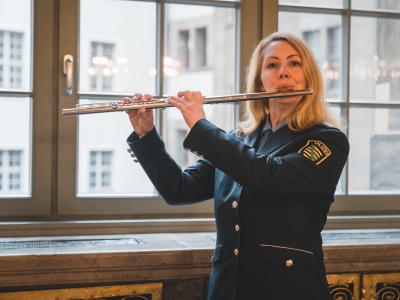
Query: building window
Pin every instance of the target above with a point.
(181, 155)
(184, 48)
(102, 63)
(15, 182)
(11, 47)
(10, 171)
(334, 48)
(100, 170)
(201, 47)
(312, 38)
(15, 158)
(15, 77)
(1, 44)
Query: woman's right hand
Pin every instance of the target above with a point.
(142, 119)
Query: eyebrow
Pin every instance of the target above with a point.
(286, 57)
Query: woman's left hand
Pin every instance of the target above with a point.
(191, 106)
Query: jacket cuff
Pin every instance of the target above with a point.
(149, 141)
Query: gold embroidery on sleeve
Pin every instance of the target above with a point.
(315, 151)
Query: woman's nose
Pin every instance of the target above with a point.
(283, 73)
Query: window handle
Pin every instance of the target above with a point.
(68, 71)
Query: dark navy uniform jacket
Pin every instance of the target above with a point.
(270, 205)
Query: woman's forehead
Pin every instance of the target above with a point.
(279, 49)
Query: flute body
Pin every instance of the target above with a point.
(102, 107)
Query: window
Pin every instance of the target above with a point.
(107, 179)
(312, 38)
(77, 168)
(102, 67)
(100, 171)
(201, 47)
(11, 167)
(367, 95)
(11, 59)
(184, 48)
(333, 61)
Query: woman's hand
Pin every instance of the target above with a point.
(142, 119)
(191, 106)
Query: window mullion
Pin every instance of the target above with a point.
(346, 34)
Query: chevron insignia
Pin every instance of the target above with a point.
(315, 151)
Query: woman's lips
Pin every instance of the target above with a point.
(285, 88)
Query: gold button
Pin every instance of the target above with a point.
(237, 227)
(289, 263)
(236, 251)
(234, 204)
(129, 150)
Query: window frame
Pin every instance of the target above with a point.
(42, 122)
(53, 136)
(70, 204)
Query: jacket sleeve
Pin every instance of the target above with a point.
(287, 175)
(195, 184)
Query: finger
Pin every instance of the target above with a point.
(185, 94)
(197, 96)
(147, 96)
(177, 102)
(127, 100)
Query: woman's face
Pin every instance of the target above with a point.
(282, 70)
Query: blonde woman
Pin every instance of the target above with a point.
(272, 179)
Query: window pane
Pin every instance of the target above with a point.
(338, 3)
(105, 168)
(15, 147)
(117, 46)
(322, 33)
(15, 44)
(374, 64)
(339, 111)
(374, 161)
(376, 4)
(200, 56)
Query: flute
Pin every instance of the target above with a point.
(102, 107)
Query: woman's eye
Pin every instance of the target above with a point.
(295, 63)
(272, 65)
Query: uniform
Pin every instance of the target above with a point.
(270, 204)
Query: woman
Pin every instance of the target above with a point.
(272, 194)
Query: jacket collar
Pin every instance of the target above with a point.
(250, 140)
(281, 137)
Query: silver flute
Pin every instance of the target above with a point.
(102, 107)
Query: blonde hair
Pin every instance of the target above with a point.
(312, 109)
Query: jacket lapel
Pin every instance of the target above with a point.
(279, 138)
(250, 140)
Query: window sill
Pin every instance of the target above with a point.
(161, 257)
